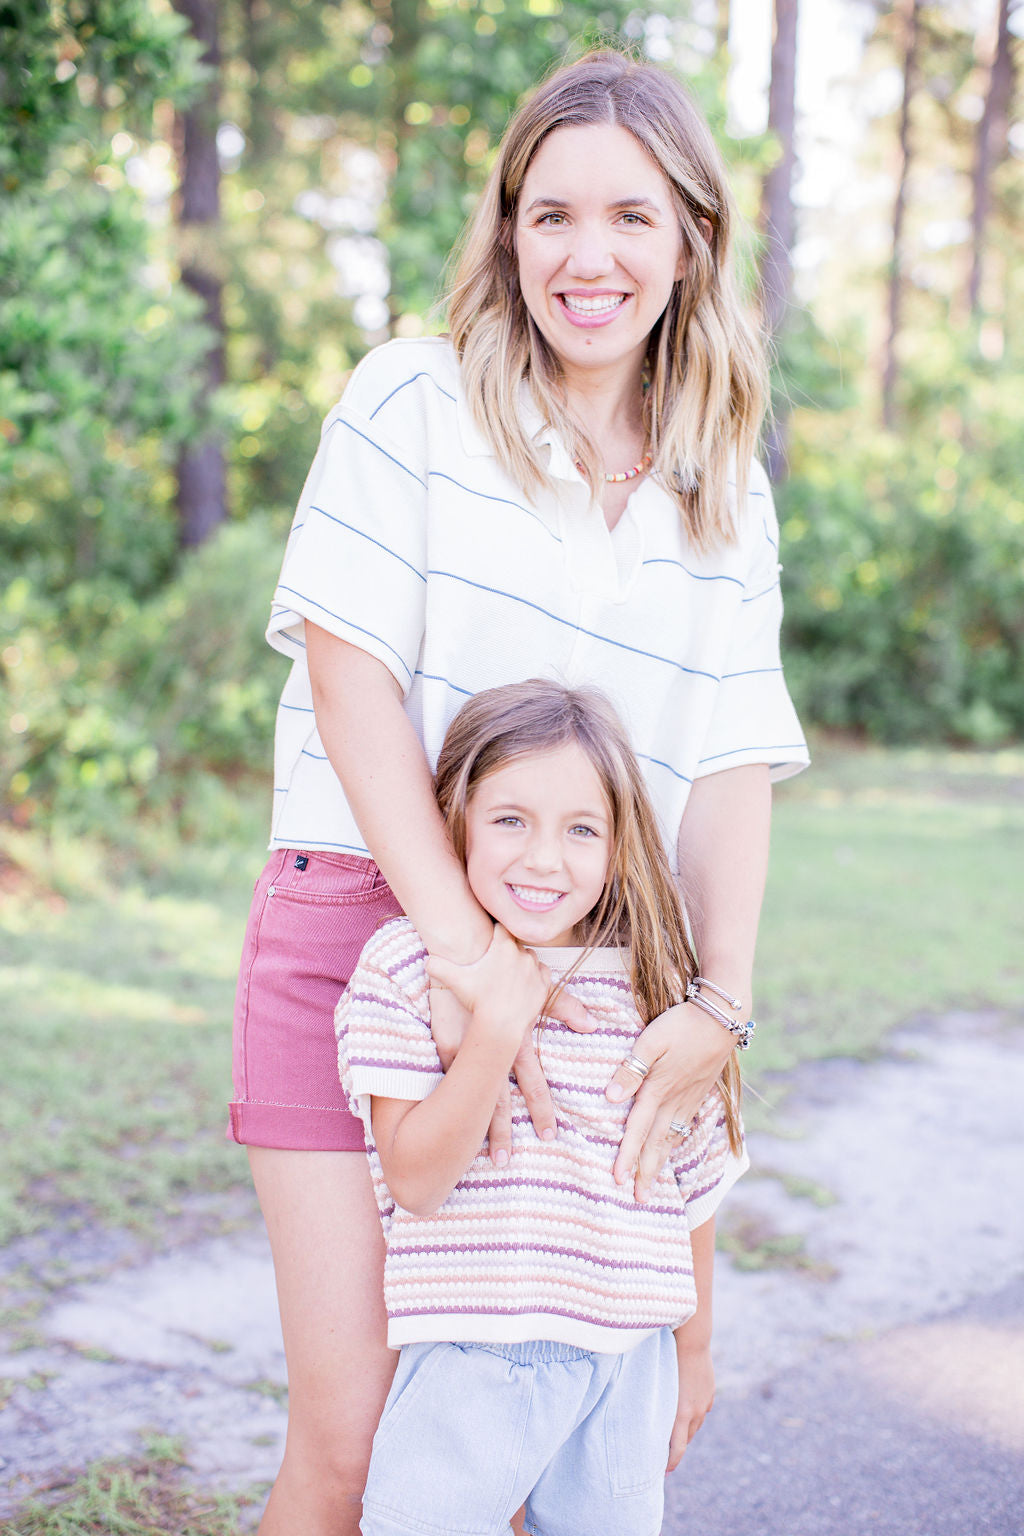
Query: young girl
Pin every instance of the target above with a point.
(534, 1303)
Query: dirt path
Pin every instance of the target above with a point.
(874, 1382)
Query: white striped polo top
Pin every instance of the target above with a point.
(410, 542)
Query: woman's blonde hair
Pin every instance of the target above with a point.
(707, 392)
(640, 908)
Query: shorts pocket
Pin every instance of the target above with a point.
(335, 879)
(639, 1414)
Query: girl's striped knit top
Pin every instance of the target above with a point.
(549, 1247)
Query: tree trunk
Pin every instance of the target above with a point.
(722, 27)
(989, 149)
(202, 494)
(778, 220)
(909, 11)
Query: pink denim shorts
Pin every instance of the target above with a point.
(311, 915)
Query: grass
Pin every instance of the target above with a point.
(895, 891)
(116, 991)
(145, 1497)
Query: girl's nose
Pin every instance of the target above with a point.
(591, 254)
(543, 852)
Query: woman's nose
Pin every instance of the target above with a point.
(591, 254)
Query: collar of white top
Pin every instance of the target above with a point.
(543, 434)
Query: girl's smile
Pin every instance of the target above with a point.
(538, 842)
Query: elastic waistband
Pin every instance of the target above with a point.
(532, 1351)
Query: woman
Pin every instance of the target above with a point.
(564, 487)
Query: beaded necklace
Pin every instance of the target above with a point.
(630, 474)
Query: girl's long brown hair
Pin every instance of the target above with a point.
(707, 391)
(640, 908)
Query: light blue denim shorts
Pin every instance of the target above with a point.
(470, 1432)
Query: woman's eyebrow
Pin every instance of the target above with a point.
(640, 201)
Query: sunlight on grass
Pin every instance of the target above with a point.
(895, 891)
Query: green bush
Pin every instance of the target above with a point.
(904, 567)
(164, 691)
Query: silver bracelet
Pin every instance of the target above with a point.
(742, 1030)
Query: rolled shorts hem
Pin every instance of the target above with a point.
(295, 1127)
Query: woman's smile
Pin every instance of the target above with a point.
(599, 246)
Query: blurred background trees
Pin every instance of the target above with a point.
(211, 209)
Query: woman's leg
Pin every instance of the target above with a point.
(328, 1252)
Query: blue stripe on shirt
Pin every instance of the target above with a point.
(432, 677)
(773, 588)
(785, 746)
(349, 625)
(370, 540)
(727, 677)
(340, 421)
(590, 633)
(439, 474)
(423, 374)
(696, 575)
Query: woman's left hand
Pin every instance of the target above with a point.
(685, 1052)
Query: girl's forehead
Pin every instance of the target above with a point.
(564, 771)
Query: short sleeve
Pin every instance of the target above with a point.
(355, 562)
(754, 720)
(382, 1023)
(707, 1167)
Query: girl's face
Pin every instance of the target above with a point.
(598, 245)
(538, 843)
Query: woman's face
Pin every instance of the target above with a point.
(598, 246)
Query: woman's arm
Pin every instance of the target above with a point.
(377, 755)
(723, 861)
(426, 1146)
(693, 1349)
(379, 759)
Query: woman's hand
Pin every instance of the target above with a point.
(696, 1395)
(508, 972)
(685, 1052)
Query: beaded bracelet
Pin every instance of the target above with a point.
(743, 1031)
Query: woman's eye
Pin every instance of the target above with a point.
(633, 219)
(551, 219)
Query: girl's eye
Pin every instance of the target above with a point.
(508, 821)
(582, 831)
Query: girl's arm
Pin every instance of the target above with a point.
(693, 1350)
(723, 862)
(426, 1145)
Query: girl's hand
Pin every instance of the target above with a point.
(514, 975)
(696, 1395)
(685, 1051)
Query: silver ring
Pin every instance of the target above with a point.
(680, 1130)
(634, 1064)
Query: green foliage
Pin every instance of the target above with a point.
(65, 61)
(145, 1497)
(904, 567)
(160, 692)
(97, 364)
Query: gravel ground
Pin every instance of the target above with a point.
(871, 1380)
